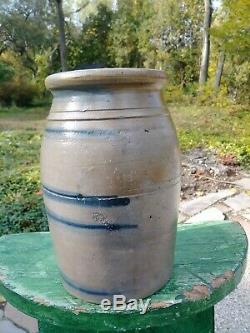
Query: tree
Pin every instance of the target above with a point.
(90, 45)
(62, 39)
(124, 37)
(219, 70)
(24, 29)
(83, 9)
(162, 34)
(233, 28)
(206, 42)
(6, 72)
(231, 34)
(169, 38)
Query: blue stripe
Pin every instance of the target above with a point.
(94, 201)
(104, 226)
(76, 286)
(88, 132)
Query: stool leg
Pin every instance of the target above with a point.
(202, 322)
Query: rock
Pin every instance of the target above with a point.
(20, 319)
(244, 183)
(196, 205)
(199, 193)
(7, 326)
(220, 170)
(200, 171)
(185, 187)
(231, 172)
(238, 202)
(182, 218)
(209, 214)
(193, 170)
(211, 171)
(229, 159)
(246, 216)
(223, 208)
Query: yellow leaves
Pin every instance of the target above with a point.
(232, 25)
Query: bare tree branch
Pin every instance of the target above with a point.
(80, 8)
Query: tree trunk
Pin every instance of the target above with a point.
(206, 42)
(219, 70)
(62, 42)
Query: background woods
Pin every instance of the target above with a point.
(194, 41)
(202, 46)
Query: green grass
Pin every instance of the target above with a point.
(22, 118)
(21, 207)
(227, 130)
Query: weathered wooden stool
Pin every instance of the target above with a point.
(210, 260)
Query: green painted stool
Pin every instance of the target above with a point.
(210, 261)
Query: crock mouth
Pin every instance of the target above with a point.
(106, 76)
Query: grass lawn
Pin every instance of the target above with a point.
(21, 207)
(227, 130)
(26, 118)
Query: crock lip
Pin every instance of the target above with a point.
(106, 76)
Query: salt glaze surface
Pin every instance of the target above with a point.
(111, 182)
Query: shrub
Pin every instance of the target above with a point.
(6, 72)
(18, 92)
(173, 94)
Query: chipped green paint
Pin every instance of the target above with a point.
(209, 263)
(202, 322)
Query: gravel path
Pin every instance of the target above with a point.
(232, 315)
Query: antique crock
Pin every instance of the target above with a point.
(111, 181)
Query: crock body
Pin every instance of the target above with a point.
(111, 182)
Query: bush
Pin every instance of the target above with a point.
(173, 94)
(17, 92)
(206, 96)
(6, 72)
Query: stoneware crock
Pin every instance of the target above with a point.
(111, 181)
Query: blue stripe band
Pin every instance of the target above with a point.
(88, 132)
(105, 226)
(95, 201)
(76, 286)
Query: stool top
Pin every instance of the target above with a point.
(209, 263)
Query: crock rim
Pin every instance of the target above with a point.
(106, 76)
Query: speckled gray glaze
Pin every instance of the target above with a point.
(111, 181)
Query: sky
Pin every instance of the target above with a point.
(76, 4)
(216, 3)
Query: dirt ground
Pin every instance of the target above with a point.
(204, 171)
